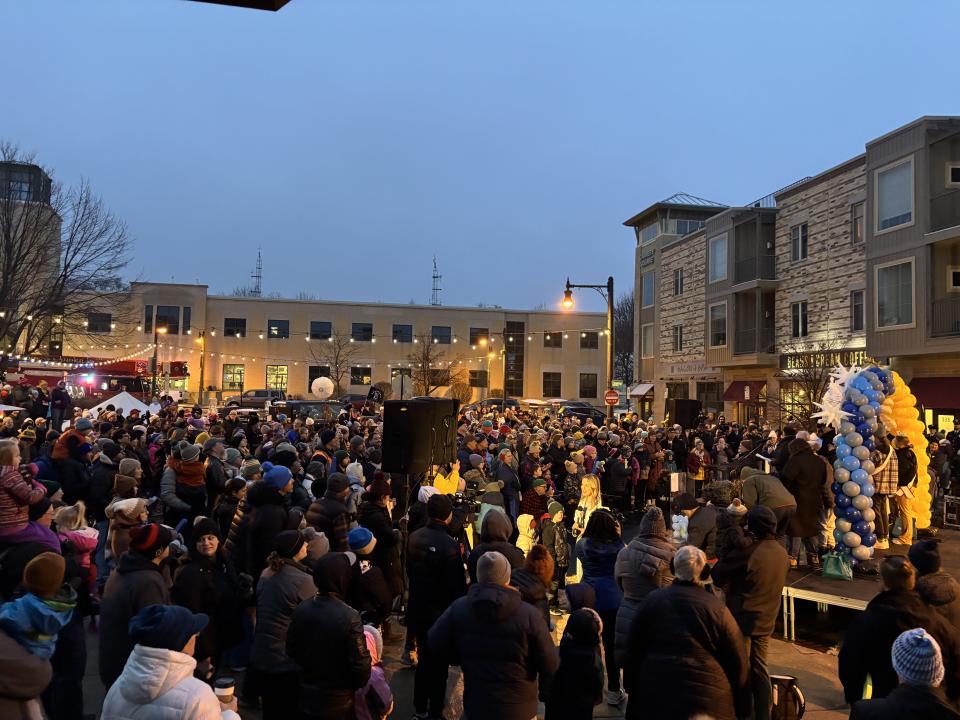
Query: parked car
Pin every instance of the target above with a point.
(355, 399)
(256, 398)
(585, 412)
(492, 404)
(317, 409)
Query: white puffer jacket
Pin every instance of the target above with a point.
(158, 684)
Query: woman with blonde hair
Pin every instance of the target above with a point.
(71, 522)
(590, 500)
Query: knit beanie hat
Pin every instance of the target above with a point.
(355, 472)
(337, 483)
(916, 658)
(380, 487)
(583, 628)
(276, 476)
(577, 457)
(736, 508)
(127, 510)
(653, 523)
(233, 456)
(190, 452)
(554, 507)
(327, 435)
(288, 543)
(128, 466)
(925, 556)
(148, 539)
(475, 460)
(493, 567)
(39, 508)
(124, 486)
(28, 434)
(761, 521)
(205, 526)
(43, 575)
(250, 467)
(83, 425)
(361, 541)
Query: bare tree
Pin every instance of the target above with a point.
(803, 380)
(430, 370)
(244, 291)
(623, 338)
(461, 391)
(338, 354)
(60, 259)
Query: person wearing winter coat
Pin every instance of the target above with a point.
(137, 582)
(759, 488)
(268, 516)
(374, 701)
(71, 524)
(35, 618)
(71, 462)
(804, 476)
(227, 505)
(534, 500)
(938, 589)
(526, 533)
(553, 535)
(435, 571)
(103, 473)
(205, 582)
(686, 655)
(284, 584)
(330, 514)
(641, 567)
(918, 662)
(182, 485)
(325, 639)
(753, 581)
(157, 680)
(870, 636)
(214, 470)
(577, 686)
(369, 593)
(501, 644)
(490, 499)
(23, 677)
(701, 524)
(618, 479)
(494, 535)
(123, 515)
(533, 580)
(18, 491)
(374, 514)
(589, 501)
(509, 484)
(597, 552)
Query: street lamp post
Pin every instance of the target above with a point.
(606, 291)
(157, 332)
(202, 339)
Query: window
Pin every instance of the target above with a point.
(99, 322)
(798, 319)
(479, 379)
(233, 377)
(360, 376)
(551, 384)
(320, 330)
(649, 232)
(276, 377)
(677, 338)
(588, 385)
(688, 226)
(403, 333)
(235, 327)
(798, 242)
(187, 317)
(893, 193)
(857, 322)
(441, 334)
(438, 377)
(278, 329)
(647, 281)
(718, 258)
(646, 341)
(718, 325)
(856, 222)
(362, 332)
(678, 281)
(553, 339)
(953, 278)
(589, 340)
(479, 336)
(953, 174)
(148, 318)
(894, 283)
(316, 371)
(168, 316)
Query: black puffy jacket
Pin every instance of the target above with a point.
(102, 474)
(435, 570)
(268, 516)
(495, 535)
(502, 645)
(641, 567)
(278, 595)
(532, 591)
(325, 639)
(386, 553)
(941, 592)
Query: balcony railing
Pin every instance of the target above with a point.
(753, 341)
(945, 317)
(758, 267)
(945, 210)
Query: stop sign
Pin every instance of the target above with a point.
(611, 397)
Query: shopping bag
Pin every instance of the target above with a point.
(837, 566)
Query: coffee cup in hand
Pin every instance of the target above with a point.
(223, 688)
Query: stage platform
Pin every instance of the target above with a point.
(810, 585)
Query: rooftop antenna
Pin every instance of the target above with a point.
(435, 295)
(257, 276)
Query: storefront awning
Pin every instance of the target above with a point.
(744, 391)
(938, 393)
(640, 389)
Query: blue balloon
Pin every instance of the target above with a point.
(852, 514)
(849, 407)
(870, 444)
(869, 539)
(843, 451)
(859, 476)
(836, 488)
(861, 528)
(860, 383)
(838, 537)
(864, 430)
(851, 463)
(842, 501)
(840, 513)
(868, 489)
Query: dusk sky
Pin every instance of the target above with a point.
(353, 140)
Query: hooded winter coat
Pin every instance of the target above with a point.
(17, 494)
(157, 684)
(753, 578)
(331, 516)
(527, 529)
(435, 570)
(502, 645)
(941, 592)
(641, 567)
(386, 553)
(495, 535)
(597, 560)
(686, 657)
(210, 586)
(103, 472)
(35, 621)
(23, 677)
(325, 638)
(268, 516)
(532, 590)
(278, 595)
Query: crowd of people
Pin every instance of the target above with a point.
(201, 545)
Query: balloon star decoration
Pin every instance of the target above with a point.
(859, 403)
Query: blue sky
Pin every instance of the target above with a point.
(353, 140)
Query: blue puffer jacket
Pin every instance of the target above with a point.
(598, 560)
(35, 622)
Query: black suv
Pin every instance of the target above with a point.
(256, 398)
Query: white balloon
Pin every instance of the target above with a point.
(861, 552)
(851, 489)
(851, 539)
(844, 526)
(322, 388)
(861, 502)
(869, 515)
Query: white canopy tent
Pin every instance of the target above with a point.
(123, 400)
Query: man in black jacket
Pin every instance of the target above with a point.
(435, 570)
(753, 579)
(906, 481)
(325, 639)
(501, 643)
(866, 646)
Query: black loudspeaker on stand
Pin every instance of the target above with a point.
(418, 433)
(684, 412)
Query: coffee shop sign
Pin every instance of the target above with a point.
(691, 369)
(832, 359)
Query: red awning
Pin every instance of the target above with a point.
(938, 393)
(744, 390)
